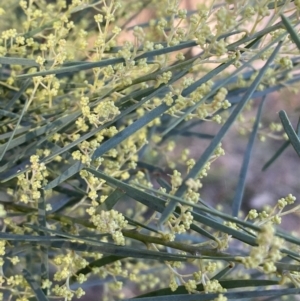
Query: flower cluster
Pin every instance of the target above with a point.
(30, 182)
(111, 222)
(273, 214)
(267, 253)
(68, 265)
(102, 113)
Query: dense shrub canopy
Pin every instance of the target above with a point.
(97, 188)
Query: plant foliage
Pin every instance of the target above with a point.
(97, 191)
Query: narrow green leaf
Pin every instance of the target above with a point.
(74, 169)
(31, 63)
(138, 224)
(97, 264)
(18, 94)
(184, 133)
(114, 61)
(298, 128)
(128, 131)
(277, 4)
(148, 200)
(44, 249)
(40, 296)
(217, 139)
(294, 139)
(282, 148)
(111, 200)
(202, 232)
(230, 296)
(111, 249)
(48, 128)
(8, 114)
(224, 272)
(24, 129)
(93, 245)
(228, 284)
(151, 168)
(239, 192)
(18, 61)
(290, 29)
(29, 238)
(282, 266)
(256, 36)
(5, 148)
(63, 203)
(163, 183)
(219, 226)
